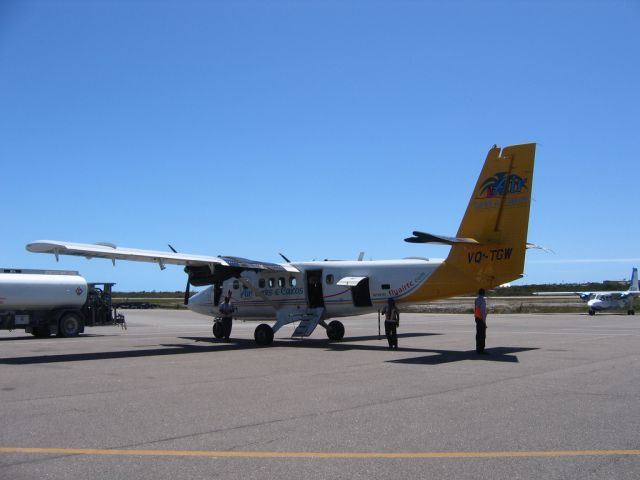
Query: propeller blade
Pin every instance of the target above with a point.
(186, 293)
(285, 258)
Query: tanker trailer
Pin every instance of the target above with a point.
(45, 302)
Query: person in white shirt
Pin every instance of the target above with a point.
(226, 310)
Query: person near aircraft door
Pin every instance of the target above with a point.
(226, 310)
(391, 322)
(480, 314)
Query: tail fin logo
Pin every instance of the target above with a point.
(495, 186)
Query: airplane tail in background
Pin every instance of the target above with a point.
(633, 286)
(489, 248)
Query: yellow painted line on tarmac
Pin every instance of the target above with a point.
(347, 455)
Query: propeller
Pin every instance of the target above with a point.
(186, 290)
(285, 258)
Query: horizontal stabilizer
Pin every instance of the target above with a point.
(630, 293)
(421, 237)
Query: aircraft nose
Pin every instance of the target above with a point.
(201, 302)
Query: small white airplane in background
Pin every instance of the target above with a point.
(488, 250)
(614, 300)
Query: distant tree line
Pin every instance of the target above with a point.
(523, 290)
(512, 291)
(151, 294)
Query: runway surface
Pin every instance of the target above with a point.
(558, 397)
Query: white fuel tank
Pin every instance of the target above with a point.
(41, 289)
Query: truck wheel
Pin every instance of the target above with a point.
(41, 332)
(70, 325)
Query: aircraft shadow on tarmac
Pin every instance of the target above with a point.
(435, 357)
(36, 339)
(347, 344)
(83, 357)
(498, 354)
(205, 345)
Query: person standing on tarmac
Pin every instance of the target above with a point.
(226, 310)
(480, 314)
(391, 323)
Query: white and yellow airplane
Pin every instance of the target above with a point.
(488, 250)
(602, 301)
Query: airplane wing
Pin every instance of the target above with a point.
(104, 250)
(549, 294)
(630, 293)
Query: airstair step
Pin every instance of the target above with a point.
(308, 323)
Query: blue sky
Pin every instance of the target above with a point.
(316, 129)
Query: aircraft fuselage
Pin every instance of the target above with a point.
(317, 285)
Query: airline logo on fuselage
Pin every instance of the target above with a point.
(501, 183)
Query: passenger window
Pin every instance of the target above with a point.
(293, 281)
(329, 279)
(281, 282)
(261, 283)
(272, 282)
(236, 284)
(386, 286)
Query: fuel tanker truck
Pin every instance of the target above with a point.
(54, 302)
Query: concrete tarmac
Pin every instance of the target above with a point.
(558, 397)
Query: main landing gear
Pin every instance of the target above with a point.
(631, 312)
(335, 331)
(263, 333)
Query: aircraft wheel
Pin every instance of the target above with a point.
(335, 331)
(263, 334)
(69, 325)
(41, 332)
(218, 330)
(592, 312)
(631, 312)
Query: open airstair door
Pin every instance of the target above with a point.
(359, 290)
(315, 298)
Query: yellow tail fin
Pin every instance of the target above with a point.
(489, 249)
